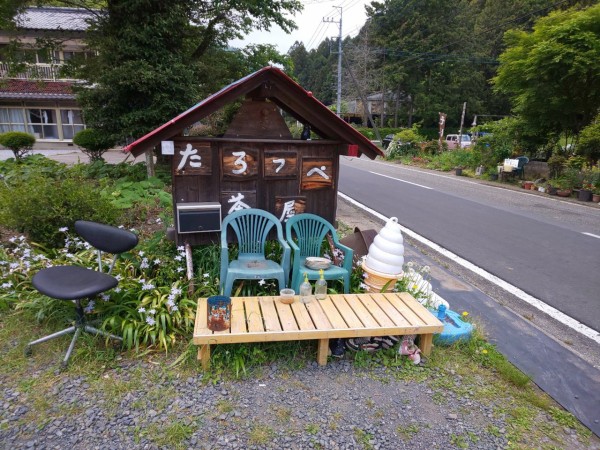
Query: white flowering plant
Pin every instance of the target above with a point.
(149, 307)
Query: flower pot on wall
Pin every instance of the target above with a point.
(564, 192)
(584, 195)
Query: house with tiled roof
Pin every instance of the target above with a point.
(34, 96)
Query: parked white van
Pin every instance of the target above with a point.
(452, 140)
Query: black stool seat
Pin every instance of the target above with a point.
(79, 284)
(72, 282)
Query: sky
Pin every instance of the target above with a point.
(312, 30)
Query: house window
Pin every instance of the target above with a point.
(43, 123)
(72, 122)
(12, 120)
(59, 124)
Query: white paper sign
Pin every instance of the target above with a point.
(167, 148)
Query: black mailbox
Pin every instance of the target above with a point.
(198, 217)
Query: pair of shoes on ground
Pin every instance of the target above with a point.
(371, 344)
(337, 348)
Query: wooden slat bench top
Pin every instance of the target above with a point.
(265, 319)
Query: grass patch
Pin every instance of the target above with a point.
(408, 432)
(363, 438)
(260, 434)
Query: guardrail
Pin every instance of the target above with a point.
(48, 72)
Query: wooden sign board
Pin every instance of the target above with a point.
(239, 162)
(317, 173)
(280, 164)
(232, 201)
(192, 158)
(286, 207)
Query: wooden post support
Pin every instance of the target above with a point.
(425, 343)
(322, 351)
(204, 356)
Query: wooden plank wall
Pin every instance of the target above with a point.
(212, 172)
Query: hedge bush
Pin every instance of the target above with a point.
(39, 206)
(93, 143)
(17, 141)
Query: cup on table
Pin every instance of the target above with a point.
(287, 296)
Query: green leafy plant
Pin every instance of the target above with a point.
(93, 143)
(39, 206)
(17, 141)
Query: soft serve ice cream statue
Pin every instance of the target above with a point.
(386, 253)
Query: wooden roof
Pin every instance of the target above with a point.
(273, 84)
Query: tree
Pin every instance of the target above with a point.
(93, 143)
(589, 141)
(19, 142)
(552, 74)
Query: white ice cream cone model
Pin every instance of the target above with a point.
(383, 264)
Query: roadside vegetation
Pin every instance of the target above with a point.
(154, 308)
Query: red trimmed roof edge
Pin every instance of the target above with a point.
(345, 132)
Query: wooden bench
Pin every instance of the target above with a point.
(266, 319)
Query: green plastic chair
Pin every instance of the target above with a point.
(251, 228)
(310, 230)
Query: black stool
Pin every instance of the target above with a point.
(79, 283)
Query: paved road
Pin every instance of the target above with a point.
(531, 241)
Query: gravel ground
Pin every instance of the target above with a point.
(144, 405)
(337, 407)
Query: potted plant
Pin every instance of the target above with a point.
(585, 193)
(596, 195)
(551, 188)
(564, 188)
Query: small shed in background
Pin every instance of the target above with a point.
(256, 163)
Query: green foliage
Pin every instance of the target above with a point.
(556, 164)
(589, 141)
(100, 169)
(575, 162)
(455, 158)
(32, 165)
(39, 206)
(93, 143)
(125, 194)
(563, 51)
(17, 141)
(406, 142)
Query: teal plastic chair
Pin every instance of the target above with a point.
(251, 228)
(310, 230)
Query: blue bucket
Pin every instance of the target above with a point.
(455, 329)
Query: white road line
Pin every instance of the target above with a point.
(547, 309)
(398, 179)
(591, 234)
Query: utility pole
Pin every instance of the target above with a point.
(462, 121)
(339, 79)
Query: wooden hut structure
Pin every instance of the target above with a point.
(256, 163)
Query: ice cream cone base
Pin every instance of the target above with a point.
(377, 281)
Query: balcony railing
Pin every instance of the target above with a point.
(46, 72)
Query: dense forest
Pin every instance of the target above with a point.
(425, 57)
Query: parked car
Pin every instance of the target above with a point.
(452, 141)
(387, 140)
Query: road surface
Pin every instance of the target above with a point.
(546, 247)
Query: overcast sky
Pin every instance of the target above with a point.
(312, 30)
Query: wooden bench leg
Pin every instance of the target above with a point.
(425, 342)
(204, 356)
(322, 351)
